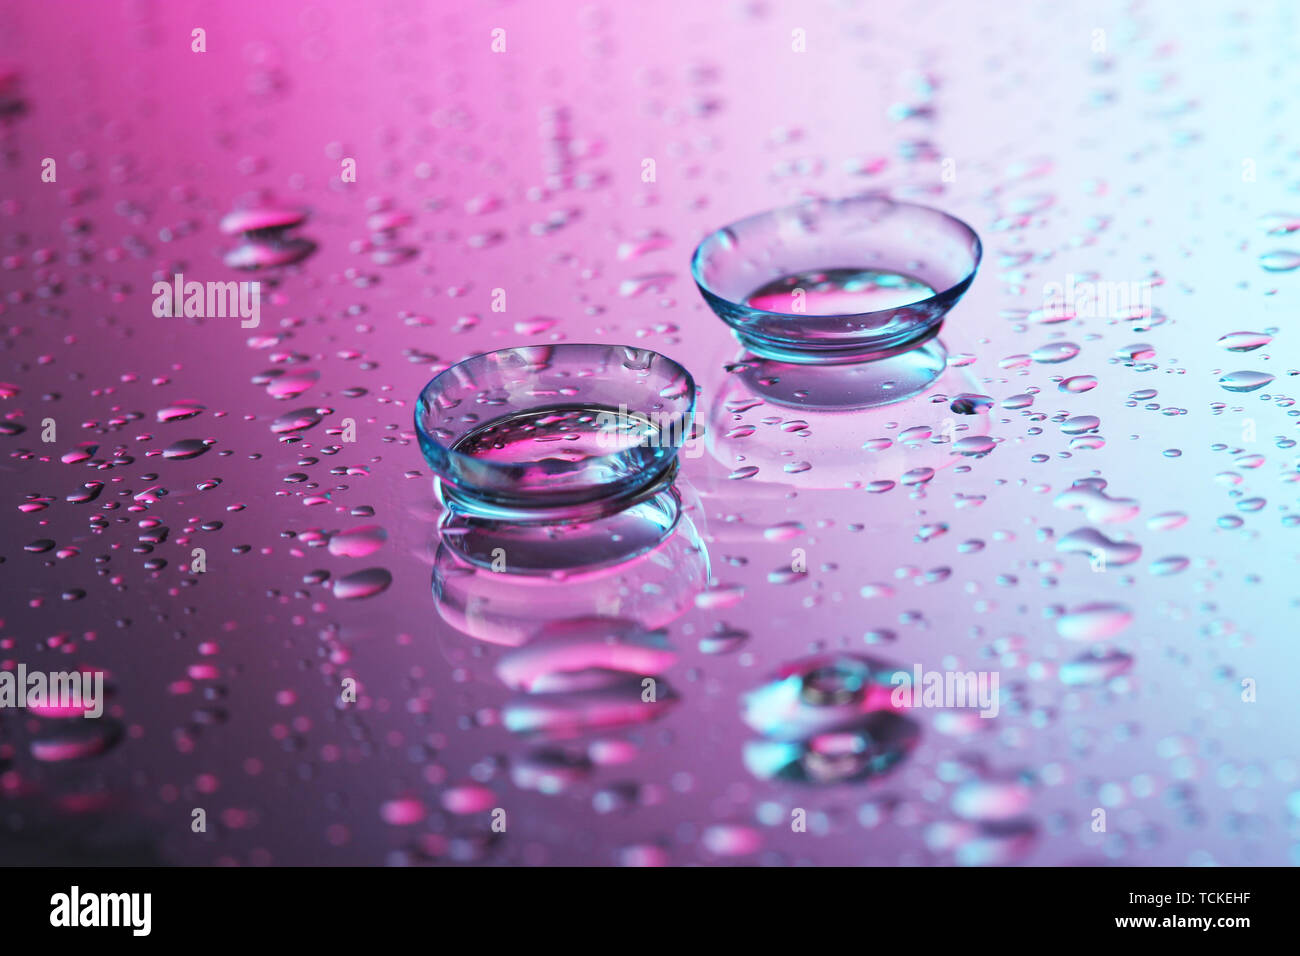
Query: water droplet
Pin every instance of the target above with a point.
(1245, 381)
(261, 219)
(1053, 353)
(65, 740)
(1167, 521)
(1090, 670)
(970, 404)
(358, 542)
(1080, 424)
(267, 255)
(1280, 260)
(1244, 341)
(179, 411)
(187, 448)
(973, 446)
(1174, 564)
(1094, 622)
(299, 419)
(1078, 384)
(991, 799)
(362, 584)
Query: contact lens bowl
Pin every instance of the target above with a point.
(555, 432)
(837, 280)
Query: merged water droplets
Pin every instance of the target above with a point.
(1099, 548)
(1089, 496)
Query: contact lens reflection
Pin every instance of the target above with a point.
(502, 582)
(866, 425)
(570, 618)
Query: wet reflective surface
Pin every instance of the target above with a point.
(1084, 486)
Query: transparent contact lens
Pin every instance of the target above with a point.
(555, 432)
(837, 280)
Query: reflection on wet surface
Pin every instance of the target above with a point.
(1084, 485)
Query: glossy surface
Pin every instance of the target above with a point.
(1090, 500)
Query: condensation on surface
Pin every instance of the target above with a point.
(1095, 501)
